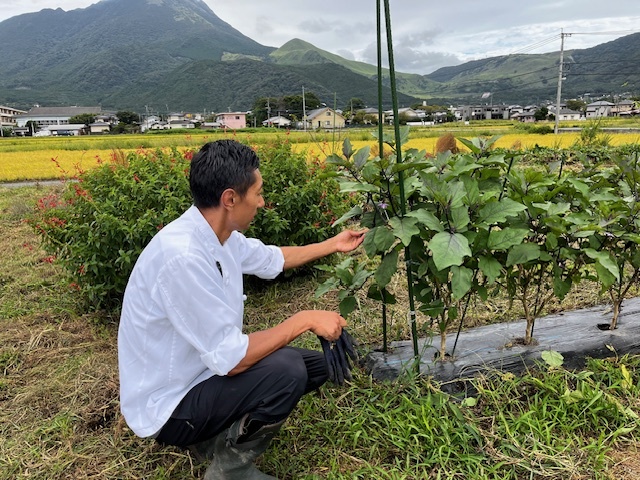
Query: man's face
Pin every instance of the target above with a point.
(245, 208)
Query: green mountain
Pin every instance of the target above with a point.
(86, 55)
(240, 82)
(170, 54)
(178, 55)
(607, 69)
(299, 52)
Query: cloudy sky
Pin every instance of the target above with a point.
(427, 35)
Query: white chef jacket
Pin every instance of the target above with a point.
(182, 314)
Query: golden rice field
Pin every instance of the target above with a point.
(50, 164)
(46, 164)
(34, 161)
(512, 140)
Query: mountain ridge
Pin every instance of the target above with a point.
(129, 53)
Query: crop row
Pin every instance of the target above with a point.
(470, 225)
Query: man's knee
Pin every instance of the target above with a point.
(287, 365)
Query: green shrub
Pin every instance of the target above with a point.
(535, 128)
(100, 224)
(98, 227)
(302, 200)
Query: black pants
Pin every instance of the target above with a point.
(268, 391)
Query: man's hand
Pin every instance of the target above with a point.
(343, 242)
(348, 240)
(324, 323)
(337, 355)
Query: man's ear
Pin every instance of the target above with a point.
(227, 199)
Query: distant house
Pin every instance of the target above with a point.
(406, 114)
(176, 124)
(149, 121)
(527, 116)
(99, 128)
(471, 112)
(483, 112)
(371, 115)
(623, 108)
(8, 116)
(234, 120)
(567, 114)
(599, 109)
(102, 124)
(513, 109)
(173, 117)
(210, 125)
(158, 125)
(72, 129)
(194, 117)
(45, 116)
(23, 131)
(325, 117)
(107, 118)
(277, 121)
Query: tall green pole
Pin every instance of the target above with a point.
(381, 147)
(403, 200)
(380, 109)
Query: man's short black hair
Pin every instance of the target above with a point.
(218, 166)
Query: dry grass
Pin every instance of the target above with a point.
(626, 462)
(59, 409)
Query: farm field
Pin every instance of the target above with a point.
(61, 420)
(52, 158)
(59, 375)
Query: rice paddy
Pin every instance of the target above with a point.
(53, 158)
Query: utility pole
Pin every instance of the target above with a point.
(304, 111)
(562, 35)
(269, 112)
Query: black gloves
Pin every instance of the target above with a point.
(337, 356)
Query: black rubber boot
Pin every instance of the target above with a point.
(235, 450)
(203, 452)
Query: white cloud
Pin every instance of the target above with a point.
(426, 35)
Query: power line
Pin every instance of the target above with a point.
(539, 44)
(609, 74)
(595, 62)
(506, 89)
(536, 45)
(522, 50)
(476, 82)
(617, 32)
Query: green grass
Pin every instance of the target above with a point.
(60, 419)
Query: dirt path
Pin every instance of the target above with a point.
(30, 183)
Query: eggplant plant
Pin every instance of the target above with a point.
(613, 230)
(454, 202)
(349, 276)
(476, 223)
(549, 260)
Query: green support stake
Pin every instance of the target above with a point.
(403, 200)
(381, 149)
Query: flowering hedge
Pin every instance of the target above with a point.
(97, 228)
